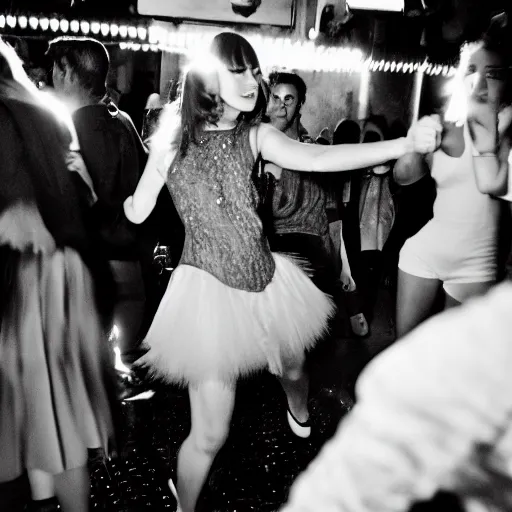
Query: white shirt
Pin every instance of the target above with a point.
(434, 412)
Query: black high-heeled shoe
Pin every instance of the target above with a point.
(49, 505)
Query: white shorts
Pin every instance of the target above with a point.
(451, 252)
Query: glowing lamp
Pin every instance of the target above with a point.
(142, 33)
(377, 5)
(85, 27)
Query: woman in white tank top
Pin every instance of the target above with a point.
(457, 249)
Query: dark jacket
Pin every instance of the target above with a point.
(115, 158)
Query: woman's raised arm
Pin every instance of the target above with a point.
(491, 134)
(138, 207)
(164, 146)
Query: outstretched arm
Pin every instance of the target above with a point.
(276, 147)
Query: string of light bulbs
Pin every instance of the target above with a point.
(190, 39)
(76, 27)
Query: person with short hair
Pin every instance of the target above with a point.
(114, 156)
(298, 200)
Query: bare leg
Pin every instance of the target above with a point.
(416, 297)
(295, 382)
(211, 404)
(41, 484)
(457, 293)
(73, 489)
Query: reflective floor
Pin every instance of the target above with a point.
(252, 472)
(261, 457)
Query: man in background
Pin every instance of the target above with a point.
(295, 210)
(115, 157)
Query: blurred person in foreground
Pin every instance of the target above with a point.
(54, 377)
(433, 414)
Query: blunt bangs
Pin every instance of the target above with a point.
(234, 51)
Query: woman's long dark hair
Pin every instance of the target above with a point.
(201, 103)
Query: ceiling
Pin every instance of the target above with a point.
(433, 28)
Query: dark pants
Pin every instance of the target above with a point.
(129, 306)
(318, 251)
(14, 495)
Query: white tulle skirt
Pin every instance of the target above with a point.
(205, 329)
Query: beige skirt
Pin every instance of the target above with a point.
(53, 368)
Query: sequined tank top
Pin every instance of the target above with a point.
(213, 192)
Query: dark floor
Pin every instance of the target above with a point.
(261, 458)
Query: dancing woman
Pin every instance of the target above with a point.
(458, 248)
(232, 307)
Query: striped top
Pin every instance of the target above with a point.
(299, 202)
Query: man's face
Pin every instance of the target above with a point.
(283, 106)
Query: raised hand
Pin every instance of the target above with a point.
(487, 125)
(424, 136)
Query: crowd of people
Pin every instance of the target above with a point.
(272, 262)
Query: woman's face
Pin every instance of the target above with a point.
(486, 77)
(238, 87)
